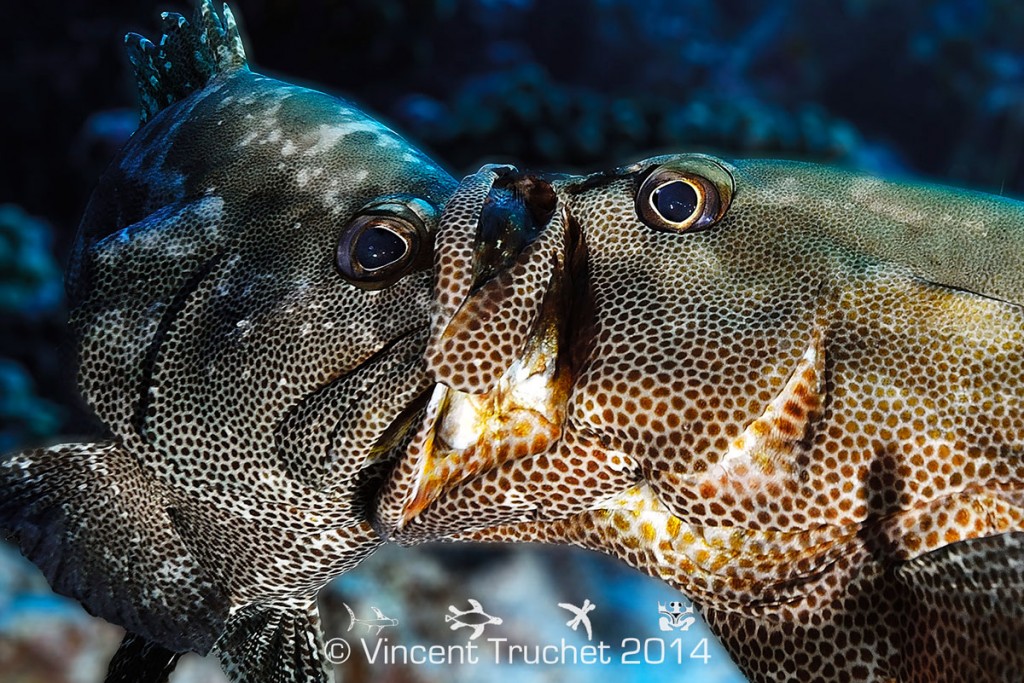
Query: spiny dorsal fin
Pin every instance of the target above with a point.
(188, 56)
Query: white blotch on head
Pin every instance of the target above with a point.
(304, 175)
(288, 148)
(333, 190)
(267, 128)
(786, 191)
(326, 137)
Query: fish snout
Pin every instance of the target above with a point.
(500, 248)
(510, 268)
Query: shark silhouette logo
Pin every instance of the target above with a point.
(581, 617)
(475, 618)
(380, 622)
(676, 617)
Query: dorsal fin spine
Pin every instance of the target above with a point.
(188, 56)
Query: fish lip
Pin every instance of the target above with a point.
(425, 488)
(518, 208)
(465, 435)
(373, 453)
(460, 436)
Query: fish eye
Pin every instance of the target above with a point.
(676, 201)
(685, 194)
(383, 242)
(379, 242)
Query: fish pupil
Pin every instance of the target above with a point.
(378, 246)
(675, 201)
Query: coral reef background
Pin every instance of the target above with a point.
(929, 88)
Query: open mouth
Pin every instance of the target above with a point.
(509, 282)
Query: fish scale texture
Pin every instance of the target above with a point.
(812, 408)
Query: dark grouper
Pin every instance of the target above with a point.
(249, 294)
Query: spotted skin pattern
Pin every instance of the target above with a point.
(244, 382)
(807, 415)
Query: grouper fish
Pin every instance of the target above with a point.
(249, 294)
(792, 391)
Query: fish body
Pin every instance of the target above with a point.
(792, 391)
(247, 344)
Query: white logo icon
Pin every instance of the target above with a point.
(581, 615)
(380, 623)
(675, 617)
(475, 618)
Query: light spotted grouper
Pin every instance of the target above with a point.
(794, 392)
(249, 295)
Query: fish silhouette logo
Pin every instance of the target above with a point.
(676, 616)
(475, 618)
(380, 622)
(581, 617)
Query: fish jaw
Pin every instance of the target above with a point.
(503, 370)
(464, 434)
(500, 247)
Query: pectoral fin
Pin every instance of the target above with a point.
(964, 609)
(954, 615)
(98, 528)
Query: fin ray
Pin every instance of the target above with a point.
(187, 57)
(275, 642)
(138, 660)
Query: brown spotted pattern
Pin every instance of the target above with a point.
(807, 415)
(248, 388)
(521, 413)
(491, 329)
(453, 265)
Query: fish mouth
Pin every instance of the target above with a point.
(465, 434)
(503, 355)
(315, 442)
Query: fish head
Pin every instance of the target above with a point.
(257, 259)
(764, 345)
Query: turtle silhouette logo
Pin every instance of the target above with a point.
(475, 618)
(676, 616)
